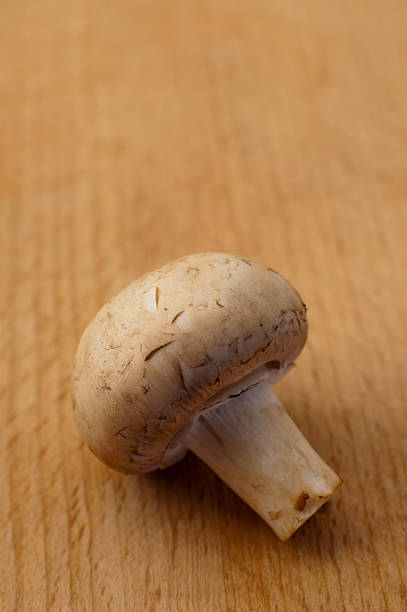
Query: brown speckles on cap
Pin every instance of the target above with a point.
(177, 315)
(155, 350)
(226, 317)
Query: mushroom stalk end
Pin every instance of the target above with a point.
(257, 450)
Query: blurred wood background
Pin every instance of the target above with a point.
(134, 132)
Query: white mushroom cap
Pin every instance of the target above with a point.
(155, 355)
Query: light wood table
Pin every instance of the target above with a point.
(134, 132)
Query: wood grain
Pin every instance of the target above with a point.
(133, 132)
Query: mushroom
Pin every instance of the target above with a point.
(186, 358)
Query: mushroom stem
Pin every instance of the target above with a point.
(257, 450)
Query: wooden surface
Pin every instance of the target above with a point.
(133, 132)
